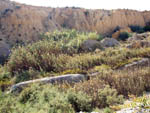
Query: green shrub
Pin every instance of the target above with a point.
(4, 73)
(101, 94)
(107, 97)
(102, 68)
(73, 71)
(80, 101)
(108, 110)
(100, 37)
(28, 75)
(39, 56)
(50, 53)
(45, 99)
(70, 40)
(124, 36)
(136, 28)
(5, 77)
(146, 28)
(21, 60)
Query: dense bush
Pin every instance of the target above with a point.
(146, 28)
(110, 57)
(108, 96)
(49, 54)
(80, 101)
(102, 95)
(45, 99)
(140, 29)
(100, 37)
(124, 36)
(28, 75)
(51, 99)
(58, 53)
(137, 29)
(70, 40)
(41, 59)
(5, 77)
(129, 82)
(39, 56)
(126, 82)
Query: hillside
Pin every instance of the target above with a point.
(70, 71)
(76, 60)
(20, 22)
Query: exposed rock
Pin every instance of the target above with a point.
(139, 44)
(24, 23)
(97, 50)
(110, 42)
(136, 37)
(4, 51)
(135, 106)
(69, 78)
(141, 63)
(143, 35)
(91, 45)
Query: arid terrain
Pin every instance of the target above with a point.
(68, 60)
(20, 22)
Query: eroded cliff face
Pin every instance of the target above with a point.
(20, 22)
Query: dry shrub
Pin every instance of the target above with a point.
(129, 81)
(39, 56)
(102, 95)
(140, 44)
(44, 56)
(111, 57)
(73, 71)
(90, 87)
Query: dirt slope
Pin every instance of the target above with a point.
(19, 22)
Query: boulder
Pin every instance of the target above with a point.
(136, 37)
(110, 42)
(139, 44)
(91, 45)
(141, 63)
(69, 78)
(4, 51)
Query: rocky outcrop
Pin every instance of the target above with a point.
(141, 63)
(139, 44)
(20, 23)
(70, 78)
(91, 45)
(136, 37)
(110, 42)
(4, 51)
